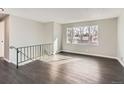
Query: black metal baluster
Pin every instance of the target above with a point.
(17, 58)
(27, 53)
(43, 50)
(40, 50)
(30, 52)
(20, 55)
(35, 52)
(52, 49)
(24, 53)
(48, 49)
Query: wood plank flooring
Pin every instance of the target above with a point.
(64, 68)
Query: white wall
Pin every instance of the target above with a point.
(107, 39)
(48, 32)
(57, 38)
(121, 38)
(53, 33)
(24, 32)
(7, 31)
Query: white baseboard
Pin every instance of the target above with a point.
(120, 61)
(6, 59)
(90, 54)
(57, 52)
(1, 58)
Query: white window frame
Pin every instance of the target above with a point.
(89, 30)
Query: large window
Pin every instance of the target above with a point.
(83, 35)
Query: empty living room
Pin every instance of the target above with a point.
(61, 46)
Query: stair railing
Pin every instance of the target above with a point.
(32, 52)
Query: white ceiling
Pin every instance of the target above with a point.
(64, 15)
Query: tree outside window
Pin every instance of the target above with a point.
(83, 35)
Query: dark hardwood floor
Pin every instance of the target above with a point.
(64, 68)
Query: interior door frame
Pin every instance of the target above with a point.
(6, 19)
(2, 38)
